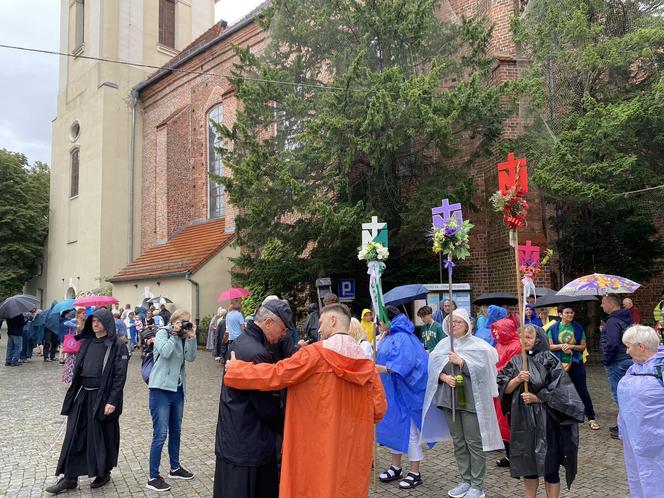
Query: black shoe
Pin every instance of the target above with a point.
(391, 474)
(613, 428)
(158, 484)
(7, 364)
(615, 435)
(100, 481)
(503, 462)
(63, 484)
(181, 473)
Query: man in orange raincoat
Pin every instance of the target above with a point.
(335, 397)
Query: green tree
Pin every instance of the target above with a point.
(378, 94)
(23, 219)
(596, 86)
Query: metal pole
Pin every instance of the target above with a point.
(449, 333)
(440, 267)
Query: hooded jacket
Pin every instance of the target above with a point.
(610, 342)
(334, 398)
(534, 319)
(312, 324)
(493, 314)
(508, 343)
(114, 373)
(368, 326)
(403, 355)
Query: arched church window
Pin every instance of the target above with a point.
(73, 173)
(215, 164)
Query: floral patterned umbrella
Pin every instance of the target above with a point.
(598, 284)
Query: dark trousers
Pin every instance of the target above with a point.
(50, 344)
(577, 373)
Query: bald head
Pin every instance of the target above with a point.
(628, 303)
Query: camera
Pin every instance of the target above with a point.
(185, 327)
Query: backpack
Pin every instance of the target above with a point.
(146, 366)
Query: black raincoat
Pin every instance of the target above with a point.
(92, 440)
(543, 436)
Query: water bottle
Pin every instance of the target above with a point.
(460, 392)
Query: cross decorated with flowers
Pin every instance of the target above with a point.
(447, 210)
(513, 173)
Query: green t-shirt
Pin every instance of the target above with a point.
(565, 336)
(431, 335)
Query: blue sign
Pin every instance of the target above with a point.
(347, 288)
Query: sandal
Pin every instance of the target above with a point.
(411, 481)
(594, 425)
(391, 474)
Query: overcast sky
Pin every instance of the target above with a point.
(29, 81)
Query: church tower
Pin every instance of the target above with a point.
(96, 131)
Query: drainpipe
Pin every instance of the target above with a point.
(132, 167)
(197, 298)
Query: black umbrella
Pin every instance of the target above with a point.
(543, 291)
(17, 305)
(497, 298)
(557, 299)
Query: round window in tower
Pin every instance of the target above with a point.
(74, 131)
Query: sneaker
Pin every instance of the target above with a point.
(100, 481)
(391, 474)
(459, 491)
(158, 484)
(412, 480)
(475, 493)
(63, 484)
(180, 473)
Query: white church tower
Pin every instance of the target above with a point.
(93, 209)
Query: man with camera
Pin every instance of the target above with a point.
(173, 345)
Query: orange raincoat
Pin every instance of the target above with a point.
(334, 400)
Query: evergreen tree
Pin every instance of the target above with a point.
(378, 95)
(23, 219)
(596, 87)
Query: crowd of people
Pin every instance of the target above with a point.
(482, 382)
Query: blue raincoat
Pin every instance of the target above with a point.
(403, 355)
(534, 319)
(641, 400)
(493, 314)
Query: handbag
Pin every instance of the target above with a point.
(70, 345)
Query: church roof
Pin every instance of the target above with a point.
(185, 252)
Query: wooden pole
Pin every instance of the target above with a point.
(519, 294)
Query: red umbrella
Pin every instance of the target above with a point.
(233, 293)
(95, 301)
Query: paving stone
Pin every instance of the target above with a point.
(30, 410)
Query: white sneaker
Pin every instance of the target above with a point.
(459, 491)
(475, 493)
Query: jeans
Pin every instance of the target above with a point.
(166, 408)
(14, 344)
(615, 371)
(28, 344)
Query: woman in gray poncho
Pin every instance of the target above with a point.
(474, 429)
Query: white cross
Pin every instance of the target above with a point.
(370, 230)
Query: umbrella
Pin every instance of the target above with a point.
(64, 305)
(233, 293)
(544, 291)
(556, 299)
(17, 305)
(52, 321)
(405, 294)
(497, 298)
(87, 301)
(599, 284)
(159, 300)
(40, 319)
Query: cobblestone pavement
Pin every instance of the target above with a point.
(31, 397)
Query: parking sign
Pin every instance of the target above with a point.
(347, 289)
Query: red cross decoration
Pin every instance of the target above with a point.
(513, 173)
(529, 254)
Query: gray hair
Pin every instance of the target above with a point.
(262, 314)
(640, 334)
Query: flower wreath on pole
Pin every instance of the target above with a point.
(452, 238)
(530, 266)
(373, 251)
(512, 204)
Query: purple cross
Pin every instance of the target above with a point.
(447, 210)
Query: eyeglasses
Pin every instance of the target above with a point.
(457, 322)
